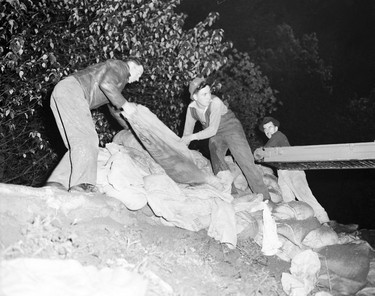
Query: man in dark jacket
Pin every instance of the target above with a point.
(72, 100)
(293, 183)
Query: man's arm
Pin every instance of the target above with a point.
(117, 115)
(188, 135)
(215, 118)
(189, 123)
(211, 130)
(113, 81)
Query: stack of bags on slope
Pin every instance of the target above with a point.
(152, 166)
(155, 168)
(341, 263)
(127, 172)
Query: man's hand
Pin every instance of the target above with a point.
(129, 109)
(117, 115)
(187, 139)
(259, 153)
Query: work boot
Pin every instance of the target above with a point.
(56, 185)
(84, 187)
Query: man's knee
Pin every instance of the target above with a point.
(87, 146)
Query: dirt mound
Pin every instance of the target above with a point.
(100, 231)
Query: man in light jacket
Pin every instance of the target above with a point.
(72, 100)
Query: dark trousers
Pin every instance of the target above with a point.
(231, 135)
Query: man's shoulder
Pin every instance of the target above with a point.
(192, 104)
(103, 67)
(281, 138)
(119, 64)
(216, 99)
(115, 62)
(280, 134)
(278, 139)
(216, 102)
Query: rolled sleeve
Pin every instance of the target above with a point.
(215, 117)
(189, 123)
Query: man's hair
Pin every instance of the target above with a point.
(196, 85)
(267, 120)
(134, 60)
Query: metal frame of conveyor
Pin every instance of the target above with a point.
(312, 157)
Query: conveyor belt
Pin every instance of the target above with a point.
(333, 156)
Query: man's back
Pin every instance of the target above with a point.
(91, 77)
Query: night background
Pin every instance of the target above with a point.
(327, 100)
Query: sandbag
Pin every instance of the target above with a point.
(120, 177)
(275, 195)
(349, 260)
(223, 223)
(371, 273)
(137, 152)
(368, 291)
(288, 250)
(165, 147)
(298, 210)
(270, 180)
(124, 172)
(265, 169)
(45, 277)
(296, 230)
(338, 285)
(202, 162)
(134, 198)
(127, 138)
(247, 225)
(303, 274)
(321, 237)
(192, 207)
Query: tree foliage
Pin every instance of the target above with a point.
(43, 41)
(357, 120)
(303, 81)
(247, 91)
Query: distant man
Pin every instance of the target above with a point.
(293, 183)
(71, 102)
(224, 132)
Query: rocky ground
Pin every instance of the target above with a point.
(175, 261)
(99, 231)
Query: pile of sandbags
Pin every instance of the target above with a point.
(345, 264)
(345, 267)
(288, 231)
(127, 172)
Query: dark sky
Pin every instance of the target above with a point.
(346, 34)
(345, 30)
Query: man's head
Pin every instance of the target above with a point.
(200, 91)
(269, 126)
(135, 70)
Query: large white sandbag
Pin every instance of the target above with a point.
(46, 277)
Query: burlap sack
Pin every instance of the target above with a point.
(296, 230)
(166, 148)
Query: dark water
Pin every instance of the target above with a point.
(348, 196)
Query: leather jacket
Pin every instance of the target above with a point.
(103, 83)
